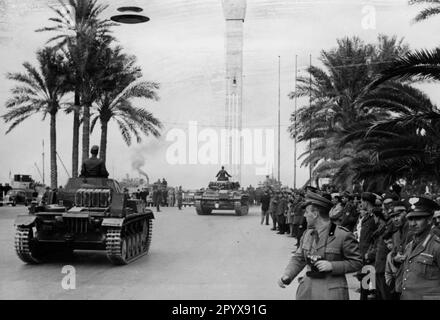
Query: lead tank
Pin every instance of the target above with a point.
(88, 214)
(222, 195)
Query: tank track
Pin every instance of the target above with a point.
(23, 246)
(200, 210)
(129, 242)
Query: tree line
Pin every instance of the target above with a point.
(83, 71)
(367, 122)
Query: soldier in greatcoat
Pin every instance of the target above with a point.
(328, 252)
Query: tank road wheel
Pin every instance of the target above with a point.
(26, 247)
(139, 243)
(123, 249)
(117, 248)
(240, 209)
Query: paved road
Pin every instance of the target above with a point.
(191, 257)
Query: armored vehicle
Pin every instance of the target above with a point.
(88, 214)
(222, 195)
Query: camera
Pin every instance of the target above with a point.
(314, 271)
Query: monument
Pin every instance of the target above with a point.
(234, 12)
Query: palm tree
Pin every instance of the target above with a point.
(349, 68)
(402, 145)
(426, 13)
(119, 85)
(39, 91)
(78, 26)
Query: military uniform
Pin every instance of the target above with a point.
(94, 167)
(337, 245)
(333, 243)
(421, 268)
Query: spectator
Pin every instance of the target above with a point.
(273, 209)
(377, 254)
(391, 270)
(436, 223)
(265, 202)
(281, 213)
(366, 228)
(350, 214)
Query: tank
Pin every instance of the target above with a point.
(87, 214)
(222, 195)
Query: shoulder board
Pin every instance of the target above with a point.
(343, 228)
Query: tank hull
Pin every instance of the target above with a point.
(111, 223)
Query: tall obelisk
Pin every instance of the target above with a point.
(234, 12)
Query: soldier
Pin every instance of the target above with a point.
(421, 268)
(436, 223)
(94, 167)
(350, 212)
(265, 201)
(365, 229)
(328, 251)
(179, 197)
(281, 212)
(273, 205)
(223, 175)
(157, 197)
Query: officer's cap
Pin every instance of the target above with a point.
(318, 200)
(369, 197)
(389, 197)
(398, 207)
(422, 207)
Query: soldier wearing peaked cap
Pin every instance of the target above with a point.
(327, 251)
(421, 268)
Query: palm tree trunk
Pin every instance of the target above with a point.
(53, 152)
(103, 146)
(86, 132)
(75, 140)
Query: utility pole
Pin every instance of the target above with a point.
(279, 115)
(294, 126)
(43, 161)
(310, 107)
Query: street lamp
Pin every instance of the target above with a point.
(129, 18)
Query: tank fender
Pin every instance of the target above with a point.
(25, 220)
(112, 222)
(149, 213)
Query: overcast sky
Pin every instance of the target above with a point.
(182, 47)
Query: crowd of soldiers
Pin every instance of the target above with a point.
(388, 241)
(162, 195)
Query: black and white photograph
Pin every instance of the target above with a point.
(237, 151)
